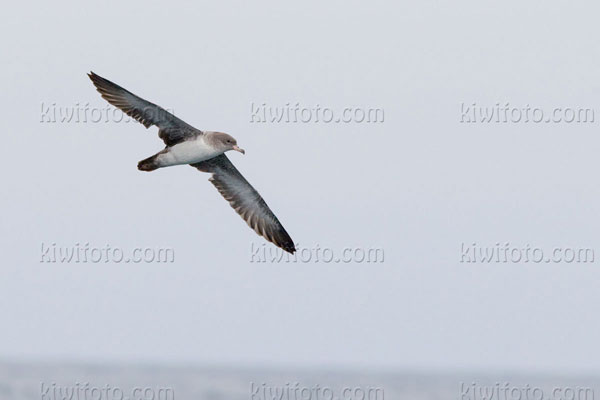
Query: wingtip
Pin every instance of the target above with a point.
(93, 76)
(290, 248)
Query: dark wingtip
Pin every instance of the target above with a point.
(100, 81)
(95, 78)
(288, 245)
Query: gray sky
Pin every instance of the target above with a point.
(417, 185)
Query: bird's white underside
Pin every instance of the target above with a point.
(187, 152)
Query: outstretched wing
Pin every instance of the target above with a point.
(172, 130)
(246, 201)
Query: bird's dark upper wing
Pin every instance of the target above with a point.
(246, 201)
(172, 130)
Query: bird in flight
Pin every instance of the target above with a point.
(204, 150)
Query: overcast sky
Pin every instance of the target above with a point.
(417, 185)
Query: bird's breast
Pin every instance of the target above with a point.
(188, 152)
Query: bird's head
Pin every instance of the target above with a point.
(224, 142)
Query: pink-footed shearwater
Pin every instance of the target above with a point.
(204, 150)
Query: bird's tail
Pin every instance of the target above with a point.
(149, 164)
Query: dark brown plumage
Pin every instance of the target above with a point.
(246, 201)
(172, 130)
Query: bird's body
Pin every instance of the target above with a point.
(188, 152)
(203, 150)
(191, 151)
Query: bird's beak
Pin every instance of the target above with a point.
(236, 148)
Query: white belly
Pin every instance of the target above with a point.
(188, 152)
